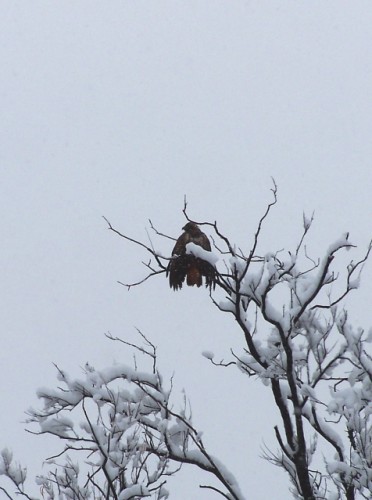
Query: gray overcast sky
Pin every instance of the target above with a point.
(119, 109)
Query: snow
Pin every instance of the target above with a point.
(308, 391)
(133, 417)
(339, 243)
(124, 418)
(230, 478)
(13, 470)
(208, 355)
(120, 370)
(59, 426)
(132, 491)
(354, 283)
(199, 252)
(227, 305)
(283, 318)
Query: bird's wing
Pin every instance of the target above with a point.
(180, 246)
(204, 242)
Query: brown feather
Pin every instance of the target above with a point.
(194, 276)
(188, 266)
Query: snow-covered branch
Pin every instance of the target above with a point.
(297, 341)
(301, 345)
(122, 436)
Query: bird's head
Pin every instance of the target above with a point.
(191, 228)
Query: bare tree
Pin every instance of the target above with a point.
(122, 437)
(315, 363)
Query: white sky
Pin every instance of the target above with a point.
(119, 109)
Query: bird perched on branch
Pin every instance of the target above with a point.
(192, 266)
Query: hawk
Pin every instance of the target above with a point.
(192, 267)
